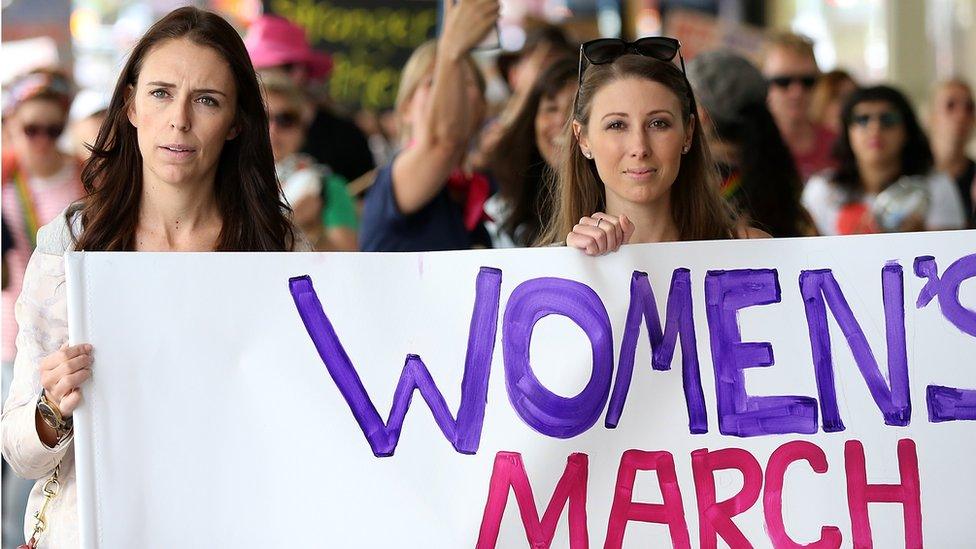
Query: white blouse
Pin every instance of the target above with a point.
(42, 314)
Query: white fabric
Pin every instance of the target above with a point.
(41, 313)
(824, 200)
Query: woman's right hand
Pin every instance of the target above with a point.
(62, 372)
(466, 24)
(600, 233)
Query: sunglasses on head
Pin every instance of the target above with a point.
(51, 131)
(805, 80)
(887, 119)
(286, 120)
(607, 50)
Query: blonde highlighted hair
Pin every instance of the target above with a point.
(418, 68)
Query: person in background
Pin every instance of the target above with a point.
(951, 121)
(524, 157)
(276, 44)
(84, 119)
(544, 44)
(829, 94)
(759, 178)
(328, 226)
(39, 180)
(791, 69)
(425, 200)
(182, 163)
(380, 144)
(637, 168)
(882, 144)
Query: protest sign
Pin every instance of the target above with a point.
(769, 392)
(369, 40)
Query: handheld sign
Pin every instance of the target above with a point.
(766, 393)
(369, 40)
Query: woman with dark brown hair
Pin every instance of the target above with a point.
(637, 168)
(525, 155)
(183, 163)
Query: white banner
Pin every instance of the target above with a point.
(770, 393)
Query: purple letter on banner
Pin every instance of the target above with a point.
(740, 414)
(895, 403)
(465, 432)
(949, 403)
(545, 411)
(679, 319)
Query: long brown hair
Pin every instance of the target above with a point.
(517, 163)
(698, 211)
(247, 192)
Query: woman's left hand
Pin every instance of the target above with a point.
(600, 233)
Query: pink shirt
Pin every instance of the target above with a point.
(51, 195)
(818, 158)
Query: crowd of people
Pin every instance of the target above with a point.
(598, 145)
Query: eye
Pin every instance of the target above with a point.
(659, 124)
(208, 101)
(159, 93)
(616, 125)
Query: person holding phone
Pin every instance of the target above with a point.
(426, 199)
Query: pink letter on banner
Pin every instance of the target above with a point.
(860, 493)
(625, 509)
(510, 471)
(779, 461)
(715, 519)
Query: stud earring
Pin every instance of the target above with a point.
(685, 150)
(588, 155)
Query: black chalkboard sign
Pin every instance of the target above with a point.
(369, 40)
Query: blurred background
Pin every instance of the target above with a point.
(908, 44)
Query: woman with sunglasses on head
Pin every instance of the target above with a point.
(525, 156)
(426, 199)
(637, 169)
(884, 179)
(182, 163)
(323, 209)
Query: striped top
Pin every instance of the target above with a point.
(50, 196)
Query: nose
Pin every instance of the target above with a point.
(180, 115)
(639, 143)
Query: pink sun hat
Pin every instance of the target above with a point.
(272, 41)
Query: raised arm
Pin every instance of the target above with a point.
(448, 121)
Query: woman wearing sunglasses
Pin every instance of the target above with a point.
(39, 181)
(322, 207)
(637, 168)
(884, 179)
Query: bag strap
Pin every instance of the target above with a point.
(51, 489)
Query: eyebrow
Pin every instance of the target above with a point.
(159, 84)
(623, 114)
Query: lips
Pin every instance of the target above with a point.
(640, 173)
(177, 151)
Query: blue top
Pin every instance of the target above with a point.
(384, 228)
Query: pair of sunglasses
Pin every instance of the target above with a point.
(887, 119)
(607, 50)
(286, 120)
(51, 131)
(805, 80)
